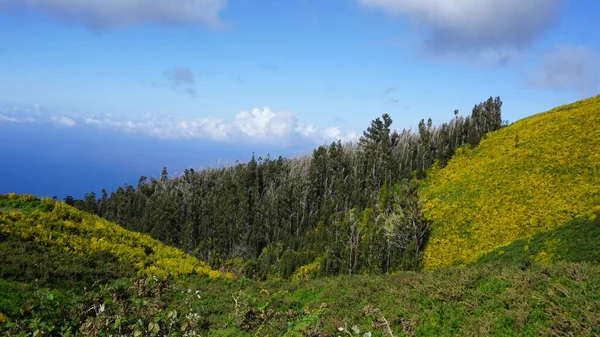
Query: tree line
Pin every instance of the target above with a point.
(346, 209)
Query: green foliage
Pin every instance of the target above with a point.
(14, 294)
(405, 226)
(141, 307)
(505, 300)
(24, 261)
(25, 203)
(523, 179)
(67, 229)
(574, 241)
(489, 299)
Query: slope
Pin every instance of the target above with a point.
(575, 241)
(58, 229)
(526, 178)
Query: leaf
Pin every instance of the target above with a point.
(153, 327)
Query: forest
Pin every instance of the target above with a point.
(346, 209)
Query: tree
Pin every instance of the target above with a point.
(405, 227)
(164, 175)
(90, 204)
(69, 200)
(377, 144)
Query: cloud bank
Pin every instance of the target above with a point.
(17, 115)
(568, 67)
(485, 28)
(256, 126)
(261, 126)
(115, 13)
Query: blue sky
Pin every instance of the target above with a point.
(192, 81)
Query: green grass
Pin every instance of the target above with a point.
(26, 205)
(14, 294)
(575, 241)
(501, 301)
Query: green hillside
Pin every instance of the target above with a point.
(59, 228)
(574, 241)
(529, 177)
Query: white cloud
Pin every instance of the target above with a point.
(15, 115)
(62, 120)
(255, 126)
(264, 124)
(113, 13)
(483, 28)
(8, 119)
(335, 133)
(567, 67)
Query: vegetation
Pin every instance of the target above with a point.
(540, 300)
(527, 178)
(522, 219)
(575, 241)
(335, 212)
(62, 229)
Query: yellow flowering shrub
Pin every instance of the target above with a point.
(82, 233)
(304, 272)
(522, 179)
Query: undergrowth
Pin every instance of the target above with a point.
(534, 300)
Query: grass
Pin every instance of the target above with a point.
(574, 241)
(25, 204)
(541, 300)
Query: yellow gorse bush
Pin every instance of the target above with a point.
(81, 233)
(525, 178)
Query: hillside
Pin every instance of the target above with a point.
(507, 300)
(575, 241)
(58, 229)
(529, 177)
